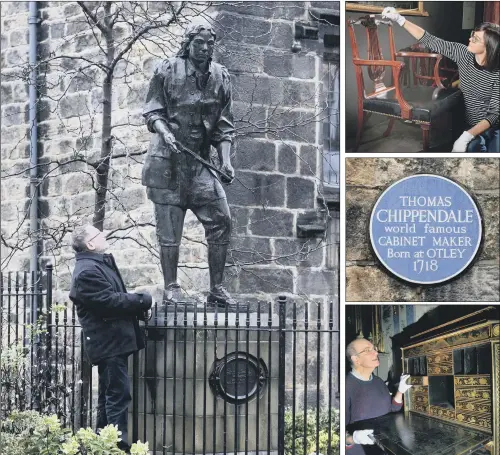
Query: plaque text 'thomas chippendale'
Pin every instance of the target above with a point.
(425, 229)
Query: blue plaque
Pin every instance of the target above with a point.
(425, 229)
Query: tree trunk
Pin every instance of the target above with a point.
(106, 150)
(106, 141)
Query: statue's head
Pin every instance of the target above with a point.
(198, 42)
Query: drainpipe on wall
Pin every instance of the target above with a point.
(34, 192)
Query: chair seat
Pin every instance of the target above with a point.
(427, 102)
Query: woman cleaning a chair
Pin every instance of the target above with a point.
(478, 67)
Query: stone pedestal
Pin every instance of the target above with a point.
(177, 405)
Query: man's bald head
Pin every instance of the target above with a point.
(89, 238)
(361, 353)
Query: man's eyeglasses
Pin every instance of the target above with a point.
(474, 38)
(367, 351)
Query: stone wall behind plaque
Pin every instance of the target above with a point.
(279, 110)
(365, 181)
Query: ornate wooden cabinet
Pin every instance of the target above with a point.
(456, 378)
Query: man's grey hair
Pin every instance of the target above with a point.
(350, 350)
(79, 238)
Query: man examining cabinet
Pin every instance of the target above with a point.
(367, 396)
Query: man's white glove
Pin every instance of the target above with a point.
(363, 437)
(390, 13)
(403, 386)
(462, 142)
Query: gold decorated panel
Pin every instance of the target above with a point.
(442, 357)
(420, 389)
(423, 393)
(418, 380)
(496, 398)
(481, 420)
(481, 394)
(440, 369)
(470, 336)
(441, 412)
(426, 347)
(420, 408)
(495, 330)
(482, 407)
(467, 381)
(421, 399)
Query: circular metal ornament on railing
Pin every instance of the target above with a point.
(238, 377)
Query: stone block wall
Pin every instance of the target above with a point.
(279, 107)
(367, 178)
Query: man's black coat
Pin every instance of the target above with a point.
(107, 313)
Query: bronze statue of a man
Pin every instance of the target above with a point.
(189, 106)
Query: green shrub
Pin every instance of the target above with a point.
(25, 370)
(294, 440)
(30, 433)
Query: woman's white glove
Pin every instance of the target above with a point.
(462, 142)
(363, 437)
(390, 13)
(403, 386)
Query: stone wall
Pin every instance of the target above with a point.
(277, 102)
(367, 178)
(279, 107)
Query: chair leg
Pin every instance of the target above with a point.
(361, 123)
(425, 136)
(389, 127)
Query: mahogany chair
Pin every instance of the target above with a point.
(420, 70)
(420, 104)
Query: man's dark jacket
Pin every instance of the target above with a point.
(107, 313)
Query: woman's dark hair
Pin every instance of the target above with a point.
(492, 43)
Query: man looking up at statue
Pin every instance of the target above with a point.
(109, 317)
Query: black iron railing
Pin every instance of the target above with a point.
(260, 380)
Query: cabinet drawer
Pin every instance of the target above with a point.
(418, 380)
(480, 394)
(441, 412)
(467, 381)
(420, 389)
(474, 406)
(443, 357)
(442, 368)
(480, 420)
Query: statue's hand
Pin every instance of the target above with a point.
(228, 169)
(169, 139)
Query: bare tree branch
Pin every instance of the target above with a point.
(93, 18)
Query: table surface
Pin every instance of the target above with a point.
(416, 434)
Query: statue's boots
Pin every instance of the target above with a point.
(175, 298)
(219, 297)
